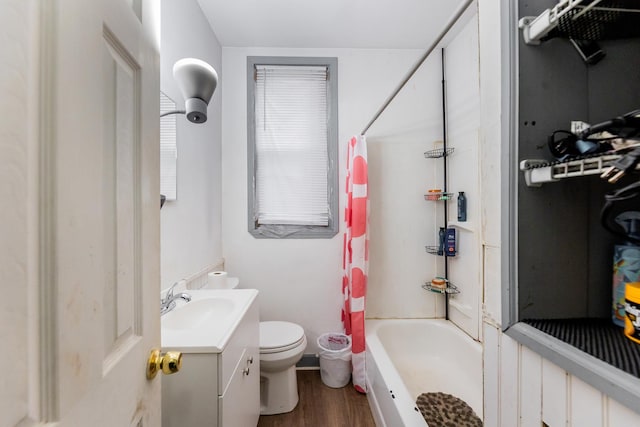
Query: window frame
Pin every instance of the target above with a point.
(281, 231)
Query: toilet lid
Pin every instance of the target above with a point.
(276, 335)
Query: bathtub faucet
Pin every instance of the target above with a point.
(168, 303)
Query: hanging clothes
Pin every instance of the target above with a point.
(355, 259)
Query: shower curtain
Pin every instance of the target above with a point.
(356, 255)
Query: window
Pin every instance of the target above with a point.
(292, 147)
(168, 149)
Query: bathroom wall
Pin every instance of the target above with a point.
(19, 217)
(300, 280)
(191, 226)
(463, 170)
(401, 221)
(521, 388)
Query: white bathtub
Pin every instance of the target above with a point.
(407, 357)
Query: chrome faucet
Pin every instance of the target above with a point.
(168, 303)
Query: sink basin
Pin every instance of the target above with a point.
(197, 313)
(206, 323)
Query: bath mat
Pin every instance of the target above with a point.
(445, 410)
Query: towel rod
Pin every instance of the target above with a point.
(446, 29)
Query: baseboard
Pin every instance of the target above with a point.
(308, 361)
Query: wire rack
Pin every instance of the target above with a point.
(591, 20)
(538, 171)
(434, 250)
(437, 153)
(450, 288)
(436, 196)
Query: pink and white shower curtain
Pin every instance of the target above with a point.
(356, 255)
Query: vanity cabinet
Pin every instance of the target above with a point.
(217, 389)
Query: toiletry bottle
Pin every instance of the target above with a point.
(441, 240)
(462, 206)
(626, 263)
(632, 311)
(450, 244)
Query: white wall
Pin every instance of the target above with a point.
(463, 134)
(520, 387)
(191, 225)
(402, 223)
(19, 217)
(300, 280)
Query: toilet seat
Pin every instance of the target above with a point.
(277, 336)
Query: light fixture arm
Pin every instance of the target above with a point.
(168, 113)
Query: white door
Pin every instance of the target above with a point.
(79, 226)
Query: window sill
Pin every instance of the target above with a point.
(293, 232)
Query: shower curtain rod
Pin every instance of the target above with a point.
(450, 24)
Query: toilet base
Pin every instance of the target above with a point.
(278, 391)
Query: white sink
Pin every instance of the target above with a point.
(205, 324)
(196, 314)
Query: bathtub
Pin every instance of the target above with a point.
(407, 357)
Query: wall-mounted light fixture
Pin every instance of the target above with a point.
(197, 81)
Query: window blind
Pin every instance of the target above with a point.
(291, 121)
(168, 149)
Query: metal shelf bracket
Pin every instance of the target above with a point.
(534, 177)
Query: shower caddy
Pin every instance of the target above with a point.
(444, 196)
(440, 196)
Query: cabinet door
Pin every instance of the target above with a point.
(240, 404)
(189, 398)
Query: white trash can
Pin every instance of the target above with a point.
(335, 359)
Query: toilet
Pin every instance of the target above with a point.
(281, 347)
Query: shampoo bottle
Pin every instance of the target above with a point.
(441, 240)
(462, 207)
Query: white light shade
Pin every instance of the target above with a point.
(197, 81)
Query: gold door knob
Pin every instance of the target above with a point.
(169, 363)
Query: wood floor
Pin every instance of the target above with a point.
(322, 406)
